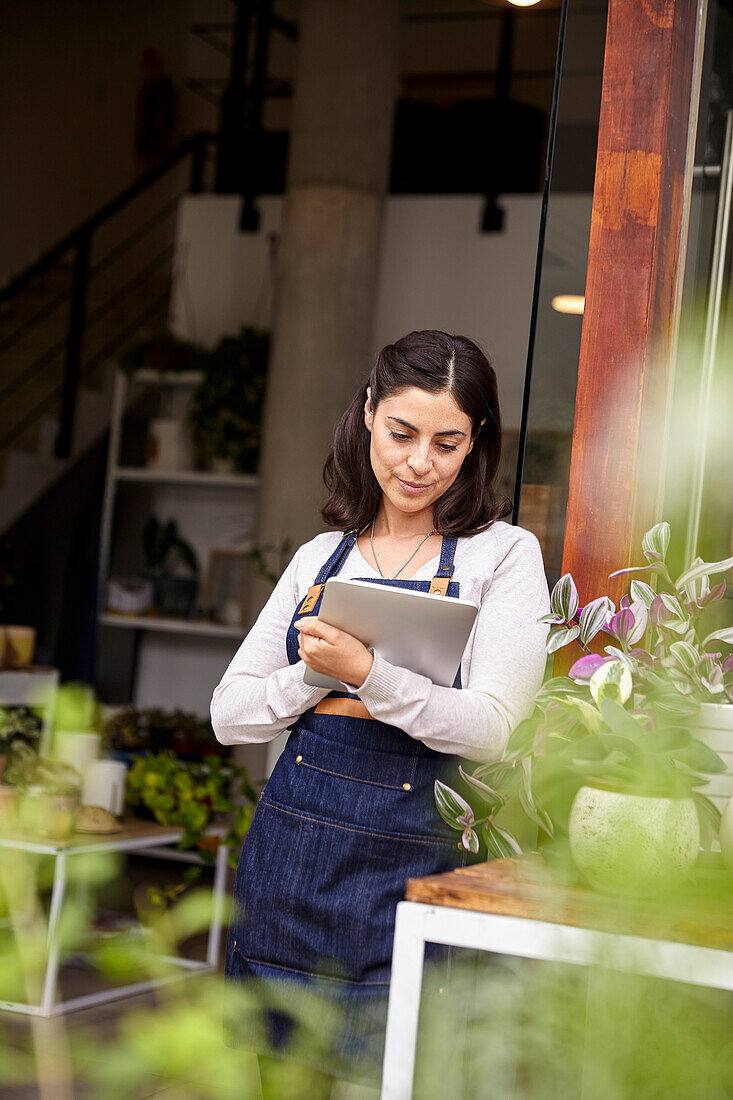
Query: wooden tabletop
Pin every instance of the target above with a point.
(699, 913)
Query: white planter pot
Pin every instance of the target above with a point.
(169, 445)
(726, 835)
(714, 726)
(631, 843)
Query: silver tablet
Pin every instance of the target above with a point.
(414, 630)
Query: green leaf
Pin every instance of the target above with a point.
(667, 739)
(451, 806)
(583, 711)
(697, 757)
(619, 721)
(685, 654)
(704, 569)
(656, 541)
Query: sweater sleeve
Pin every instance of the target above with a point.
(260, 694)
(506, 670)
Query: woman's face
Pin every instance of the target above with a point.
(419, 441)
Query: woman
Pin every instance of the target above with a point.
(348, 814)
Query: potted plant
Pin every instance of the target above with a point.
(192, 795)
(131, 731)
(225, 414)
(608, 759)
(20, 727)
(48, 793)
(165, 554)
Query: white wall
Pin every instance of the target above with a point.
(436, 271)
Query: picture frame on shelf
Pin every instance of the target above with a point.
(225, 596)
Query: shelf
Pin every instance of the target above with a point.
(204, 478)
(172, 625)
(168, 378)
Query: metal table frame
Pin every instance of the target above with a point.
(154, 844)
(418, 923)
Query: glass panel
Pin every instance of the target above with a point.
(554, 358)
(698, 497)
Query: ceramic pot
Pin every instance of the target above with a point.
(168, 445)
(726, 835)
(714, 726)
(639, 844)
(20, 645)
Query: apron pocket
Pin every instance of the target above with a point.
(395, 771)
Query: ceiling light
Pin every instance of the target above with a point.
(568, 303)
(523, 3)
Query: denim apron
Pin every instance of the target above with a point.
(347, 816)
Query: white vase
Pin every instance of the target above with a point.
(633, 843)
(169, 445)
(714, 726)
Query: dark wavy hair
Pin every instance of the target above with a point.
(436, 362)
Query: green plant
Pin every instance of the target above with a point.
(621, 719)
(165, 549)
(18, 726)
(27, 769)
(226, 409)
(191, 795)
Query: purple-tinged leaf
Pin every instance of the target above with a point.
(561, 636)
(564, 598)
(727, 665)
(625, 603)
(584, 668)
(594, 617)
(641, 615)
(555, 620)
(470, 841)
(621, 624)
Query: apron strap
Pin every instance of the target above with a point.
(330, 569)
(446, 566)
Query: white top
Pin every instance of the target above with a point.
(500, 570)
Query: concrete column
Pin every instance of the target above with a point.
(345, 90)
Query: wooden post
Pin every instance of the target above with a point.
(635, 268)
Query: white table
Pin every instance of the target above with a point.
(526, 936)
(149, 839)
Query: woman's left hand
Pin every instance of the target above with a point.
(332, 652)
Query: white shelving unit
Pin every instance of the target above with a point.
(119, 474)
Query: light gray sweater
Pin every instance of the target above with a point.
(500, 570)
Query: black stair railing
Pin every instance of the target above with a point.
(78, 245)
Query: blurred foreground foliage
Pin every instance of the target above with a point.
(499, 1028)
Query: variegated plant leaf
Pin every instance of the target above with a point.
(470, 840)
(656, 542)
(641, 591)
(685, 654)
(511, 841)
(452, 808)
(564, 598)
(723, 635)
(707, 569)
(611, 681)
(483, 790)
(594, 617)
(561, 636)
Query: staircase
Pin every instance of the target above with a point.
(65, 321)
